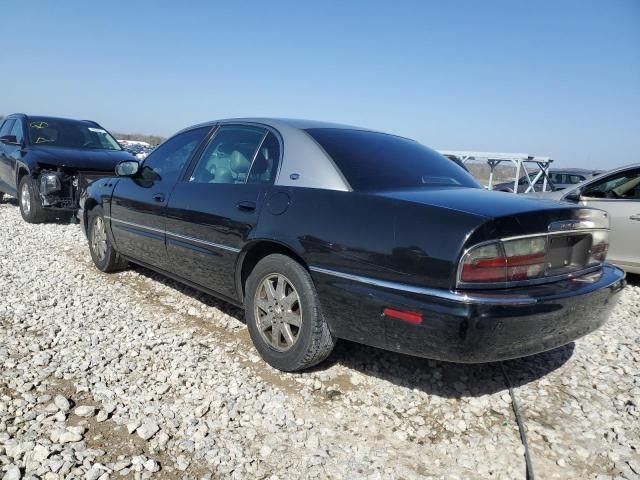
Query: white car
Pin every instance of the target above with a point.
(618, 193)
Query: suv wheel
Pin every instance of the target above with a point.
(283, 315)
(103, 254)
(29, 201)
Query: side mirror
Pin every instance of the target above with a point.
(128, 168)
(573, 196)
(9, 140)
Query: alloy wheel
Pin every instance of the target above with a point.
(25, 199)
(99, 238)
(278, 312)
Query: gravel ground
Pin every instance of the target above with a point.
(132, 375)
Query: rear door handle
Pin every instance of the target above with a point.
(158, 197)
(635, 217)
(247, 206)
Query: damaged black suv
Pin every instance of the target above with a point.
(46, 162)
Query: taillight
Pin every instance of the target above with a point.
(525, 258)
(529, 258)
(485, 263)
(505, 261)
(599, 247)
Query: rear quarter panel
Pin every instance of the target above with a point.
(365, 235)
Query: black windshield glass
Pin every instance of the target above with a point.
(55, 132)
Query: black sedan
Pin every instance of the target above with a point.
(47, 161)
(323, 232)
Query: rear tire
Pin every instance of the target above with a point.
(104, 255)
(29, 200)
(284, 317)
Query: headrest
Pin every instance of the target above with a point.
(238, 163)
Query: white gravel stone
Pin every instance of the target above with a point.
(85, 411)
(147, 430)
(62, 403)
(12, 473)
(151, 466)
(140, 346)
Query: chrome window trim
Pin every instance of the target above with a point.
(455, 296)
(175, 235)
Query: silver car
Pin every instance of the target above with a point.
(617, 192)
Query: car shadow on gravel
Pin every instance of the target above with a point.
(633, 279)
(445, 379)
(433, 377)
(208, 300)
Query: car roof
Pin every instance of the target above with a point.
(279, 123)
(49, 117)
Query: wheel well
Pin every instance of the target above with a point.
(21, 173)
(257, 252)
(89, 204)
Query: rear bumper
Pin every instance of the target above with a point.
(470, 327)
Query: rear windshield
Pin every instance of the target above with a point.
(377, 161)
(70, 133)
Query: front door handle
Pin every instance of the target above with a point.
(635, 217)
(158, 197)
(247, 206)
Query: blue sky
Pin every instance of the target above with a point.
(558, 78)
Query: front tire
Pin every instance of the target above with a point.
(29, 200)
(284, 317)
(104, 255)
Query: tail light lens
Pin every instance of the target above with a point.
(527, 258)
(599, 247)
(485, 263)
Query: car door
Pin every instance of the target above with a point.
(7, 183)
(138, 203)
(619, 195)
(214, 209)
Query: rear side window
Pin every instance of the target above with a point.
(576, 178)
(228, 157)
(377, 161)
(265, 165)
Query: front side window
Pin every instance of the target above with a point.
(229, 155)
(58, 132)
(6, 127)
(623, 185)
(17, 131)
(377, 161)
(167, 161)
(557, 177)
